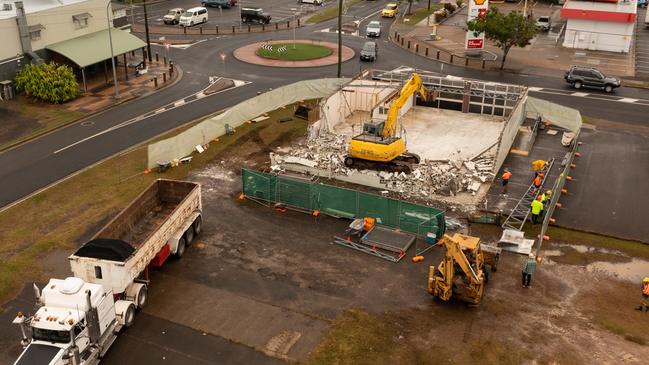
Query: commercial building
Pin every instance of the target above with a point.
(74, 32)
(602, 25)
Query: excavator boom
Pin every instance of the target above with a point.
(413, 85)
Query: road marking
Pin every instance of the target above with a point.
(628, 100)
(579, 94)
(534, 88)
(199, 95)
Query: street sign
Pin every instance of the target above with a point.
(477, 9)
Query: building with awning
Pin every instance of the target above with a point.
(94, 48)
(30, 27)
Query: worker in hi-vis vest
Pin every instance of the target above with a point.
(645, 295)
(537, 208)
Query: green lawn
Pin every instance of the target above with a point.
(330, 13)
(301, 52)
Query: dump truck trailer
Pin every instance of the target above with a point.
(78, 318)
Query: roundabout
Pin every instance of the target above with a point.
(282, 53)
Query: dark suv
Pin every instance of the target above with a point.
(254, 15)
(580, 77)
(369, 52)
(224, 4)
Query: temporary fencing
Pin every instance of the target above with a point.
(307, 195)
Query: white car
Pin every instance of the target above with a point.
(313, 2)
(194, 16)
(373, 29)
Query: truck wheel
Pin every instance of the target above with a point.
(189, 236)
(129, 316)
(487, 273)
(349, 162)
(142, 296)
(180, 250)
(198, 225)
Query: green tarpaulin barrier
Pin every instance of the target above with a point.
(341, 202)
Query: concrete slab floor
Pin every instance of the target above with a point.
(439, 134)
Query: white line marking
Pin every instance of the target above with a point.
(628, 100)
(179, 103)
(140, 118)
(534, 88)
(579, 94)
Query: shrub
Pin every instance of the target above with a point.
(48, 82)
(459, 3)
(449, 7)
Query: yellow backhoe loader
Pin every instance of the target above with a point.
(378, 147)
(463, 272)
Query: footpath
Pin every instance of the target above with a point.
(544, 56)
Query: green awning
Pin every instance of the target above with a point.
(95, 47)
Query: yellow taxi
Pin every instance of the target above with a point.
(390, 11)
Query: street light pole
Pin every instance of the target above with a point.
(112, 56)
(294, 24)
(146, 30)
(340, 37)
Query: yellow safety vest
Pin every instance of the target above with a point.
(537, 207)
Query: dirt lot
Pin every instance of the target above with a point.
(272, 282)
(364, 310)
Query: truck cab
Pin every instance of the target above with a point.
(74, 319)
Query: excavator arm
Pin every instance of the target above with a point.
(413, 85)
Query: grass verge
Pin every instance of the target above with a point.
(301, 52)
(30, 118)
(64, 216)
(330, 13)
(418, 15)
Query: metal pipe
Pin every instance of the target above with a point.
(112, 56)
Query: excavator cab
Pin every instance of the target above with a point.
(374, 128)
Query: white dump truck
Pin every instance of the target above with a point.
(79, 318)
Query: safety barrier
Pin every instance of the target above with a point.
(311, 196)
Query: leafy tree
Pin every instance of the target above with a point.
(50, 82)
(505, 30)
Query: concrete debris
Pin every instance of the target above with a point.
(428, 179)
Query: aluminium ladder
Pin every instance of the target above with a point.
(518, 216)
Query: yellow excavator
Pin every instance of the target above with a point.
(464, 270)
(378, 147)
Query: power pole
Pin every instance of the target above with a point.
(146, 30)
(428, 5)
(340, 37)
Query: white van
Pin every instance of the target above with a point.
(194, 16)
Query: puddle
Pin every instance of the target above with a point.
(551, 253)
(632, 271)
(587, 249)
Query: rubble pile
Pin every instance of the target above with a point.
(429, 178)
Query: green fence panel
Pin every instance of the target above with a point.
(258, 185)
(419, 219)
(342, 202)
(386, 211)
(294, 192)
(335, 201)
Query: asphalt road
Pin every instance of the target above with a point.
(41, 162)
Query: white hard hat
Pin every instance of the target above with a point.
(531, 255)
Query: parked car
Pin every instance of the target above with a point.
(590, 77)
(314, 2)
(193, 16)
(390, 10)
(173, 16)
(369, 52)
(224, 4)
(373, 29)
(544, 23)
(254, 15)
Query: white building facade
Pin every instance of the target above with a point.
(603, 25)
